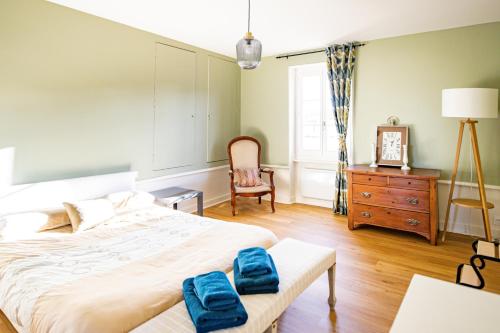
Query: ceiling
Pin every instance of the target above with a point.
(288, 25)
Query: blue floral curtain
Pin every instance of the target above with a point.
(340, 62)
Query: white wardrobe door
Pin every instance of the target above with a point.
(223, 107)
(175, 107)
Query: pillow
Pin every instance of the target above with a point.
(23, 225)
(87, 214)
(26, 225)
(130, 200)
(56, 219)
(248, 177)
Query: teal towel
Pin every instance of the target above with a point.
(254, 261)
(215, 291)
(262, 284)
(207, 321)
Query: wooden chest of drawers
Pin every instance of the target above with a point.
(392, 198)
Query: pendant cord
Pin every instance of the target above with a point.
(248, 30)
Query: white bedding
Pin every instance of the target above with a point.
(34, 273)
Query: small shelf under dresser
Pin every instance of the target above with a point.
(392, 198)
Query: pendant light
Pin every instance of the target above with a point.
(248, 49)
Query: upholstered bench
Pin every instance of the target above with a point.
(298, 263)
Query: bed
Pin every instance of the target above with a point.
(116, 276)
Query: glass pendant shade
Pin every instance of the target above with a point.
(248, 52)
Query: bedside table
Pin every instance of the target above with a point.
(171, 196)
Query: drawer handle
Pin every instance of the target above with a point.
(366, 194)
(412, 201)
(366, 214)
(413, 222)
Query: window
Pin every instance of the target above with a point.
(315, 132)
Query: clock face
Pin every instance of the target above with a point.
(391, 146)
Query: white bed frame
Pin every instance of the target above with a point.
(50, 195)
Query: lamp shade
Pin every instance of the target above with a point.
(248, 52)
(470, 103)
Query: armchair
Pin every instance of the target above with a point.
(244, 154)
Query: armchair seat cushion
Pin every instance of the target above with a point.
(253, 189)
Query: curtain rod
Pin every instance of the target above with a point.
(310, 52)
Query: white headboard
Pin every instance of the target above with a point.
(50, 195)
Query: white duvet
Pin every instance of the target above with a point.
(151, 249)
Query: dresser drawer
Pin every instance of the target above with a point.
(416, 184)
(369, 180)
(391, 218)
(391, 197)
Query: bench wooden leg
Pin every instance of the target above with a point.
(331, 285)
(273, 328)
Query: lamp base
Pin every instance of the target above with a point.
(482, 203)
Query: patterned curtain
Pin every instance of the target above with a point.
(340, 62)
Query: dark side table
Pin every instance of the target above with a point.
(171, 196)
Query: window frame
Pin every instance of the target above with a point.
(321, 155)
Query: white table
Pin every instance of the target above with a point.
(432, 305)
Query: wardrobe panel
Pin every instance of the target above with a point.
(175, 107)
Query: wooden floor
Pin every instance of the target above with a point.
(374, 266)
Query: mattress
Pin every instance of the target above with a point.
(116, 276)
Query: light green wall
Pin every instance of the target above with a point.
(404, 76)
(77, 94)
(400, 76)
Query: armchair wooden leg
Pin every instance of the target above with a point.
(272, 201)
(233, 203)
(260, 200)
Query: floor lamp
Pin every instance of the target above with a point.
(470, 103)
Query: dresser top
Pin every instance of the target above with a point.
(394, 171)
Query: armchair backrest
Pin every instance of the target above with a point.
(244, 153)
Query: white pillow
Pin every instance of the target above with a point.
(21, 226)
(130, 200)
(87, 214)
(25, 225)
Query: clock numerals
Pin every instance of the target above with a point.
(391, 146)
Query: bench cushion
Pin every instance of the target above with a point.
(298, 265)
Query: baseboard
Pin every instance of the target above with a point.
(315, 202)
(214, 182)
(191, 207)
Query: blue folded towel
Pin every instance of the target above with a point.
(207, 321)
(215, 291)
(262, 284)
(254, 261)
